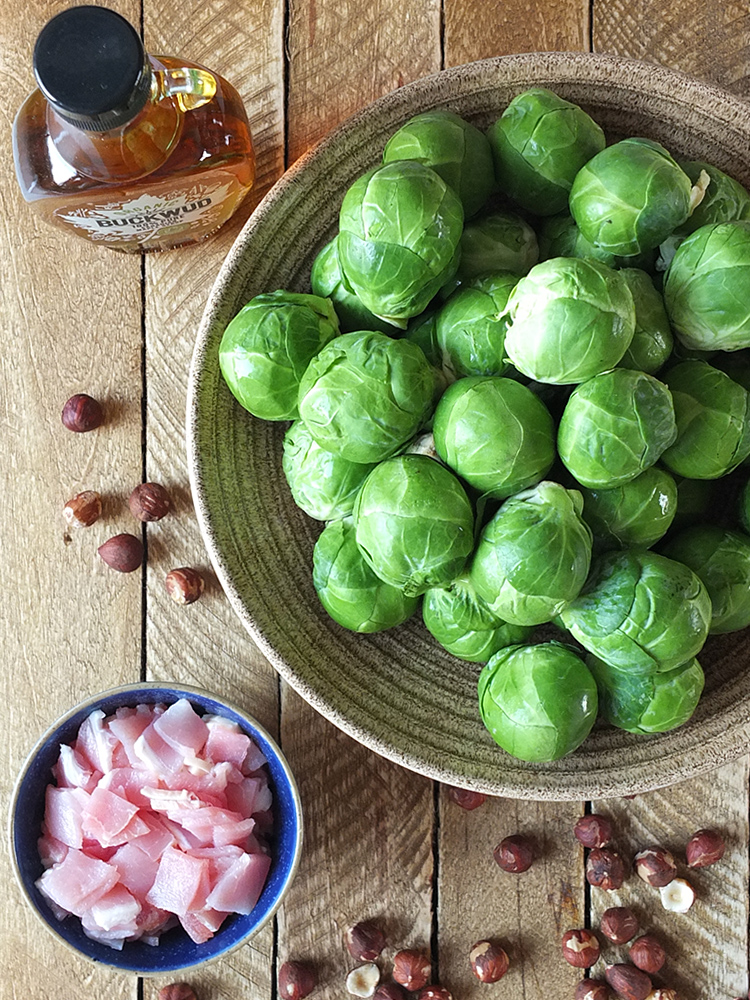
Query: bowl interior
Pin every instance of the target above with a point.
(397, 691)
(176, 950)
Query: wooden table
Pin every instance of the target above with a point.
(381, 842)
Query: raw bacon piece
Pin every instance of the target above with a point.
(95, 743)
(181, 883)
(71, 772)
(77, 882)
(106, 818)
(116, 910)
(226, 741)
(182, 729)
(63, 814)
(239, 888)
(137, 870)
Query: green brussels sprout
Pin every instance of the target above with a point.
(706, 288)
(647, 703)
(629, 197)
(421, 331)
(533, 556)
(495, 434)
(470, 328)
(561, 237)
(636, 514)
(414, 522)
(641, 611)
(349, 590)
(539, 144)
(454, 148)
(713, 421)
(499, 241)
(365, 395)
(327, 280)
(324, 485)
(458, 618)
(538, 702)
(725, 200)
(721, 559)
(570, 319)
(400, 226)
(614, 426)
(267, 347)
(652, 341)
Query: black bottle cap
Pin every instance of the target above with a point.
(90, 64)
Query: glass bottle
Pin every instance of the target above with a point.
(128, 150)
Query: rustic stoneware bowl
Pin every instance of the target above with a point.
(176, 952)
(398, 692)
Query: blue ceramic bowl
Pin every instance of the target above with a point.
(177, 951)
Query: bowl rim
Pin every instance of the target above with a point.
(179, 689)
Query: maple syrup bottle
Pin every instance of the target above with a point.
(128, 150)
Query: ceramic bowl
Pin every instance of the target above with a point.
(397, 692)
(176, 951)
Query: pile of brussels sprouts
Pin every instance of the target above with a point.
(522, 367)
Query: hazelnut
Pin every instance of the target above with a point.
(83, 509)
(514, 854)
(655, 865)
(580, 948)
(149, 502)
(389, 991)
(605, 868)
(411, 969)
(362, 981)
(647, 953)
(364, 940)
(629, 982)
(82, 413)
(434, 992)
(489, 962)
(593, 830)
(619, 924)
(465, 798)
(666, 994)
(177, 991)
(678, 896)
(185, 586)
(705, 848)
(122, 552)
(592, 989)
(296, 980)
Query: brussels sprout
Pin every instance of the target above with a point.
(539, 144)
(713, 421)
(640, 611)
(328, 281)
(721, 559)
(538, 702)
(614, 426)
(500, 241)
(454, 148)
(630, 197)
(349, 590)
(533, 557)
(470, 328)
(647, 703)
(365, 395)
(421, 331)
(324, 485)
(652, 341)
(707, 288)
(414, 522)
(267, 347)
(725, 200)
(569, 320)
(458, 618)
(561, 237)
(400, 225)
(495, 434)
(637, 513)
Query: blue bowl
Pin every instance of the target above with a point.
(177, 951)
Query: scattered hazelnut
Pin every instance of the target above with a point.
(362, 981)
(364, 940)
(514, 854)
(619, 924)
(655, 865)
(678, 896)
(149, 502)
(647, 953)
(605, 868)
(177, 991)
(580, 948)
(83, 509)
(489, 962)
(389, 991)
(465, 798)
(296, 980)
(122, 552)
(665, 994)
(592, 989)
(411, 969)
(704, 848)
(593, 830)
(434, 992)
(82, 413)
(185, 586)
(629, 982)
